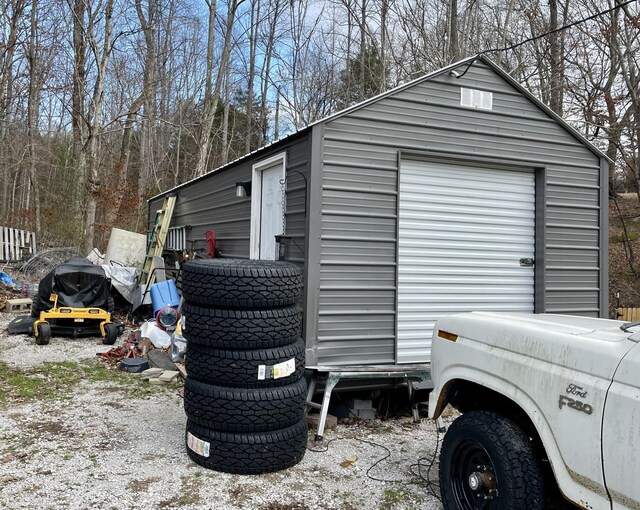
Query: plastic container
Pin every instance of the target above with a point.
(164, 294)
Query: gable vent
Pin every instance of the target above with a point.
(473, 98)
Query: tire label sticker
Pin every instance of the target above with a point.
(284, 369)
(197, 445)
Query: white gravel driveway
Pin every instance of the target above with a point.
(74, 435)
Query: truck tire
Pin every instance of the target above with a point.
(247, 454)
(244, 410)
(241, 329)
(487, 461)
(240, 283)
(259, 368)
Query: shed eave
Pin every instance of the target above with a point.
(264, 148)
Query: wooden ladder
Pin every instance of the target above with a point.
(158, 237)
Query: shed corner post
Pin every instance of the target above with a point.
(314, 229)
(604, 238)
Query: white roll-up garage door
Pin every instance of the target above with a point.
(463, 234)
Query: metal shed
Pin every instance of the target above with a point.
(457, 191)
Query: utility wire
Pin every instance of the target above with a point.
(559, 29)
(416, 469)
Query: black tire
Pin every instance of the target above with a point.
(244, 410)
(247, 454)
(511, 474)
(110, 334)
(43, 336)
(241, 329)
(239, 283)
(245, 369)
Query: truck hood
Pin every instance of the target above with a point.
(587, 344)
(474, 324)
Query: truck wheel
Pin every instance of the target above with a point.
(44, 334)
(488, 462)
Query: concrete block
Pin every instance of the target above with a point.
(151, 373)
(156, 381)
(314, 418)
(365, 414)
(356, 403)
(169, 376)
(18, 305)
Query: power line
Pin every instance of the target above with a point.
(559, 29)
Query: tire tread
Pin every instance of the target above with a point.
(244, 410)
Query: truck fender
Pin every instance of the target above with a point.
(572, 490)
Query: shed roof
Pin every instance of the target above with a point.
(469, 61)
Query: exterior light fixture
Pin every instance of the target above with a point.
(283, 242)
(243, 189)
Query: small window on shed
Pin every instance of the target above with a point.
(473, 98)
(176, 239)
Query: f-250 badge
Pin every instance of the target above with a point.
(574, 404)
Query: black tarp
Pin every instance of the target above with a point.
(78, 284)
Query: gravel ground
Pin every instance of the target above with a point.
(87, 440)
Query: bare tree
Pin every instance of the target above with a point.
(212, 90)
(10, 15)
(148, 23)
(33, 108)
(87, 117)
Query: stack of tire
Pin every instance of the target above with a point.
(245, 392)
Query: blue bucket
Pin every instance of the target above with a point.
(164, 294)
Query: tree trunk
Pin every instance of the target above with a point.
(557, 74)
(148, 25)
(7, 59)
(78, 118)
(93, 183)
(253, 42)
(33, 108)
(454, 45)
(121, 166)
(211, 99)
(363, 51)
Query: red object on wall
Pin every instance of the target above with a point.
(210, 237)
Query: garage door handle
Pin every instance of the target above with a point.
(526, 262)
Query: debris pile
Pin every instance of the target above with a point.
(8, 289)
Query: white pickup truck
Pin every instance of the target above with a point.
(548, 402)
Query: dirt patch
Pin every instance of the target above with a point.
(143, 484)
(49, 427)
(284, 506)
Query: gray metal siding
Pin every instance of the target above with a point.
(210, 203)
(356, 313)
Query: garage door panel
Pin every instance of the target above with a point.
(462, 231)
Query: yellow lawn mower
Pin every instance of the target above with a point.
(82, 304)
(67, 321)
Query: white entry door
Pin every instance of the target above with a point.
(465, 234)
(267, 208)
